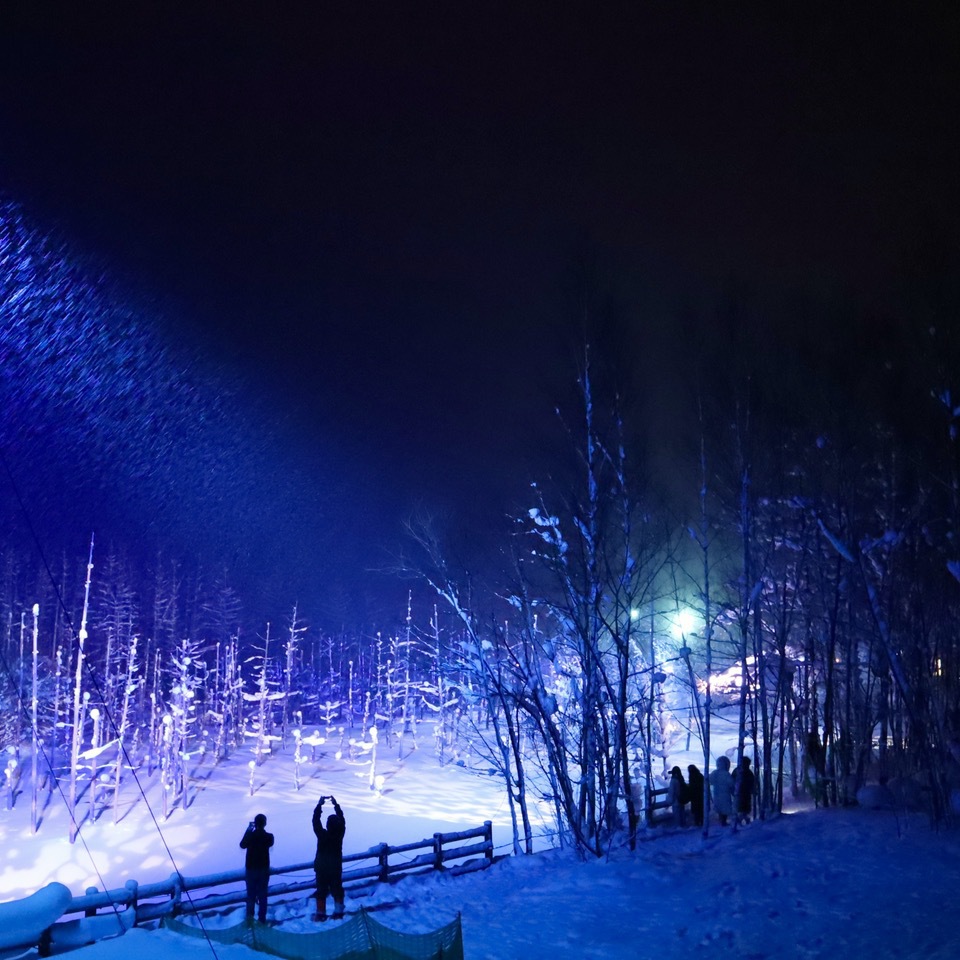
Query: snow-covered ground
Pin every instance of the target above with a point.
(417, 797)
(811, 883)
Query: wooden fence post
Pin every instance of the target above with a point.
(384, 863)
(90, 911)
(176, 891)
(438, 851)
(488, 837)
(132, 887)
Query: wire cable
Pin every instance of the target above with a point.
(46, 759)
(92, 675)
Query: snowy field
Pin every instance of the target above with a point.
(811, 883)
(417, 797)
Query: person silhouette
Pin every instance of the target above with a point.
(695, 792)
(328, 863)
(257, 842)
(677, 796)
(746, 788)
(721, 786)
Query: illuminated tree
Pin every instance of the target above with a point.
(295, 633)
(264, 696)
(131, 684)
(483, 657)
(34, 720)
(79, 704)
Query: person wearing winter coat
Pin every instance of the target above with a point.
(257, 842)
(695, 790)
(677, 796)
(328, 863)
(721, 789)
(746, 788)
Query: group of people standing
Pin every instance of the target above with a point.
(327, 864)
(727, 791)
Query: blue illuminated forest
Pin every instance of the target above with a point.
(801, 574)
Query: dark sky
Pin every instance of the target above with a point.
(394, 219)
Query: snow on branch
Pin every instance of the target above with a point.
(838, 545)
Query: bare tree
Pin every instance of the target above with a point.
(78, 702)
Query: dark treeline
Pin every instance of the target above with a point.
(804, 600)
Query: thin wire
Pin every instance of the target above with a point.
(46, 759)
(109, 715)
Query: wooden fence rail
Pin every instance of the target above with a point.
(658, 807)
(173, 896)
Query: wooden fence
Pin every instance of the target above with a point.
(658, 808)
(174, 895)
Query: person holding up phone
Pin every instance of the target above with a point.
(257, 842)
(328, 863)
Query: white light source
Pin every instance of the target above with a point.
(684, 622)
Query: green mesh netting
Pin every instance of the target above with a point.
(359, 938)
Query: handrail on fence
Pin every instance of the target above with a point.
(171, 897)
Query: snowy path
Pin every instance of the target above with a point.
(820, 884)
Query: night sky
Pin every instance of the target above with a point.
(396, 224)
